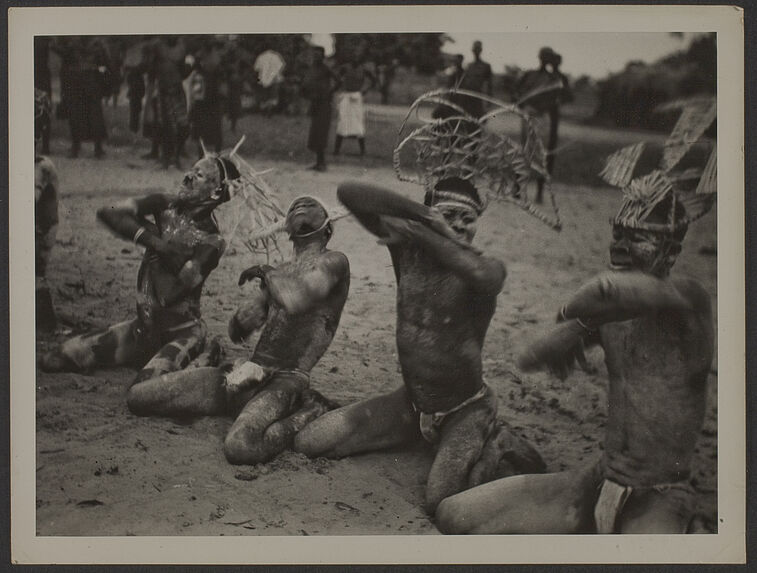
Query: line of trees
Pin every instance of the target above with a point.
(630, 98)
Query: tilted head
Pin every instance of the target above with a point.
(649, 246)
(459, 202)
(308, 219)
(477, 48)
(206, 184)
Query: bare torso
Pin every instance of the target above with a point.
(658, 366)
(155, 278)
(441, 326)
(298, 341)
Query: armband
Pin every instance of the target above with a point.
(141, 231)
(586, 327)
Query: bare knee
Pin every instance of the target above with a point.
(241, 449)
(137, 401)
(311, 441)
(446, 518)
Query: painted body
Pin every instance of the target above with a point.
(658, 338)
(446, 295)
(182, 246)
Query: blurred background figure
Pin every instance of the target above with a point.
(541, 92)
(451, 77)
(477, 78)
(85, 67)
(351, 122)
(43, 82)
(173, 123)
(45, 213)
(205, 95)
(385, 73)
(269, 66)
(319, 86)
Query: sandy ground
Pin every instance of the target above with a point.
(103, 471)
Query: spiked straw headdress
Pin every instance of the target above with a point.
(642, 194)
(466, 147)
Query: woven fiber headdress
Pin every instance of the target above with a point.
(642, 194)
(252, 207)
(466, 147)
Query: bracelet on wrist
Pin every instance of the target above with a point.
(586, 327)
(141, 231)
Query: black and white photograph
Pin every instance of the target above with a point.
(317, 279)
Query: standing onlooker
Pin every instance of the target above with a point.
(269, 66)
(174, 120)
(477, 78)
(43, 82)
(351, 121)
(385, 78)
(236, 83)
(135, 92)
(86, 63)
(205, 95)
(452, 76)
(541, 92)
(319, 86)
(45, 214)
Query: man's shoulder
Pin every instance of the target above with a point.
(336, 260)
(693, 291)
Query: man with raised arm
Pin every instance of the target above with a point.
(182, 246)
(658, 339)
(298, 306)
(446, 296)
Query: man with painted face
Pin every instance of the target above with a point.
(446, 296)
(182, 246)
(657, 335)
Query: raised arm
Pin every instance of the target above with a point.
(483, 274)
(370, 202)
(126, 219)
(298, 291)
(616, 296)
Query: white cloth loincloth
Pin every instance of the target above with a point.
(351, 117)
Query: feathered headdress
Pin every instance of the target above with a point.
(465, 147)
(253, 212)
(252, 205)
(642, 194)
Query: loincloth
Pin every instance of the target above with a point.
(430, 424)
(612, 498)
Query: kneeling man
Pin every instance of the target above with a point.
(657, 335)
(182, 247)
(298, 306)
(446, 296)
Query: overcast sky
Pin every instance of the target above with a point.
(595, 54)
